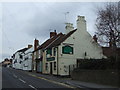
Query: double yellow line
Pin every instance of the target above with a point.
(51, 81)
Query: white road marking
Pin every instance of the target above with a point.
(22, 80)
(14, 75)
(63, 84)
(32, 87)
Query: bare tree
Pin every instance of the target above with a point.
(108, 24)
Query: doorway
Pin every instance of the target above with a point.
(51, 68)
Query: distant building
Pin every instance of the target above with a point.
(27, 59)
(18, 58)
(6, 62)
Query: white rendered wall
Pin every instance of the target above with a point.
(82, 42)
(27, 64)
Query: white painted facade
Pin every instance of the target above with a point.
(84, 47)
(27, 60)
(18, 58)
(83, 39)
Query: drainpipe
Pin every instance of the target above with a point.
(57, 61)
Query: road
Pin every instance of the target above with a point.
(12, 78)
(18, 79)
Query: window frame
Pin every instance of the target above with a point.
(50, 51)
(20, 56)
(63, 48)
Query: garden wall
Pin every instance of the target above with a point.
(105, 77)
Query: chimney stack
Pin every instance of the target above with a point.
(36, 43)
(52, 34)
(29, 46)
(95, 38)
(81, 18)
(81, 24)
(69, 27)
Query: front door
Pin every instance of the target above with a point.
(37, 66)
(51, 68)
(40, 66)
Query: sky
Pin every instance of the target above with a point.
(22, 22)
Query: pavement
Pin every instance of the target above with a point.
(76, 84)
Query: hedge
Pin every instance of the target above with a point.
(99, 64)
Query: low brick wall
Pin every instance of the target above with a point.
(105, 77)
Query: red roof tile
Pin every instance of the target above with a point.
(56, 40)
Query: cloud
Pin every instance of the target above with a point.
(22, 22)
(51, 18)
(5, 55)
(41, 26)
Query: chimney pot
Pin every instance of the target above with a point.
(29, 46)
(81, 18)
(69, 27)
(36, 43)
(52, 34)
(95, 38)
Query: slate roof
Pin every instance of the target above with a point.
(47, 42)
(56, 40)
(22, 50)
(60, 39)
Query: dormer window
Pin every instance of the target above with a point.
(67, 50)
(49, 51)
